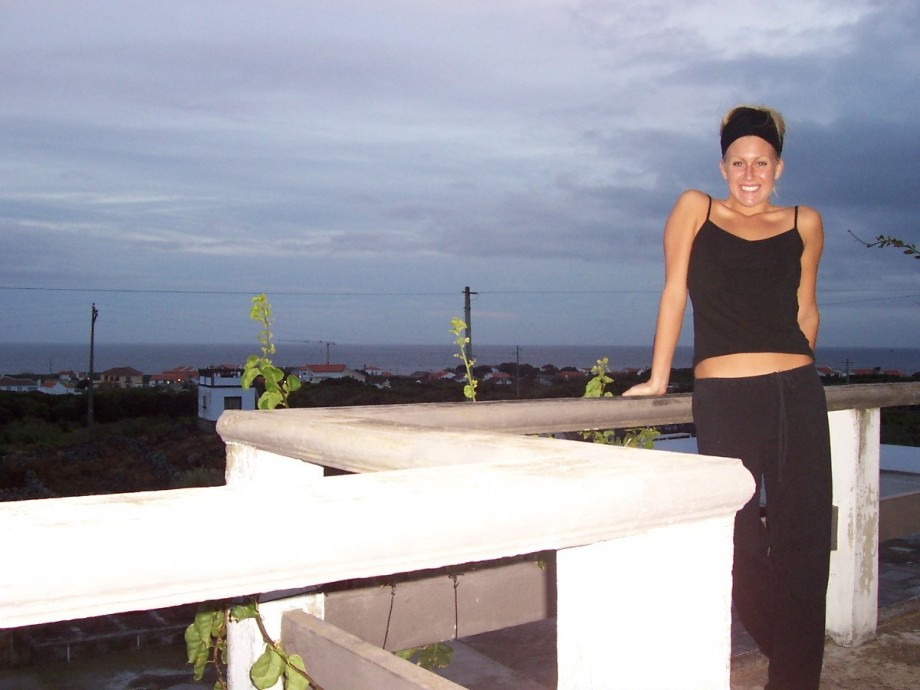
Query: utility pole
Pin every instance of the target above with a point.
(89, 386)
(846, 363)
(517, 370)
(468, 348)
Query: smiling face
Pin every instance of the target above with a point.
(751, 168)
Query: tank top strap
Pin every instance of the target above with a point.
(795, 220)
(709, 209)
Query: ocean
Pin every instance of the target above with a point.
(47, 358)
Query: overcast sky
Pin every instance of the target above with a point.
(363, 162)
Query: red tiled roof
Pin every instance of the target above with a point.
(12, 381)
(122, 371)
(177, 374)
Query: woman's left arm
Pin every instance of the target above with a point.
(811, 229)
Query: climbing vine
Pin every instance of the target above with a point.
(206, 643)
(206, 637)
(457, 328)
(277, 386)
(633, 438)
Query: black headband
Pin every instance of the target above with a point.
(746, 122)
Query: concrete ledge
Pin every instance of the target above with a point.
(86, 556)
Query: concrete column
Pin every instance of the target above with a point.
(245, 643)
(852, 592)
(651, 610)
(247, 464)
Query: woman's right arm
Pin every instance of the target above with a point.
(685, 219)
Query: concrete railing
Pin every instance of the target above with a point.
(441, 485)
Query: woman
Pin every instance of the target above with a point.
(750, 267)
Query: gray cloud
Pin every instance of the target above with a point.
(419, 147)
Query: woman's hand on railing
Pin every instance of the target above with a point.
(647, 388)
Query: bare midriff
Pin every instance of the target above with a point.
(749, 364)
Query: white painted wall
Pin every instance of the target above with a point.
(213, 391)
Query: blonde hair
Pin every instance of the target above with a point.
(744, 113)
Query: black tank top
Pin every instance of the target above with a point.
(744, 292)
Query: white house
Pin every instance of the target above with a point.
(219, 389)
(57, 387)
(10, 383)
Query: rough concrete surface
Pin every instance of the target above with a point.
(892, 660)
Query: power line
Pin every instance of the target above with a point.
(328, 293)
(158, 291)
(322, 293)
(887, 298)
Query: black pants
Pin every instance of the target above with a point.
(777, 425)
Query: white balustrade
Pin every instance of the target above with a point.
(449, 484)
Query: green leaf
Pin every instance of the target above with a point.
(241, 612)
(295, 674)
(197, 651)
(267, 670)
(595, 386)
(434, 656)
(293, 383)
(249, 375)
(269, 400)
(192, 643)
(204, 623)
(406, 653)
(639, 438)
(258, 307)
(201, 635)
(272, 376)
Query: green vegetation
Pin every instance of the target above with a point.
(457, 327)
(628, 438)
(206, 637)
(42, 459)
(110, 405)
(276, 387)
(206, 643)
(882, 241)
(144, 440)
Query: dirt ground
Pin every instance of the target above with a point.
(891, 661)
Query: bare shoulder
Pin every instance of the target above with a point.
(690, 209)
(693, 201)
(810, 225)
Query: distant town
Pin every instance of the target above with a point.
(181, 377)
(219, 387)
